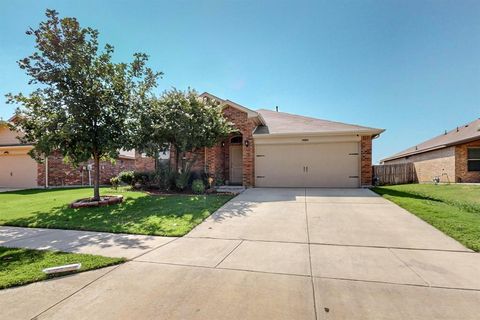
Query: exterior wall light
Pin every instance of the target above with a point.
(246, 143)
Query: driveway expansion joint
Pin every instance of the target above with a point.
(409, 267)
(310, 259)
(224, 258)
(155, 248)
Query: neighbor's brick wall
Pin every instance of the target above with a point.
(64, 174)
(461, 168)
(428, 165)
(366, 170)
(143, 163)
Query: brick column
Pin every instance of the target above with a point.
(366, 170)
(248, 154)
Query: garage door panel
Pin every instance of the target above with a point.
(333, 165)
(308, 165)
(276, 165)
(18, 171)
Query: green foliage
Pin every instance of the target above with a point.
(115, 182)
(84, 105)
(182, 120)
(182, 179)
(198, 186)
(127, 177)
(146, 179)
(166, 177)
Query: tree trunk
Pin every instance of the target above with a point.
(96, 179)
(177, 156)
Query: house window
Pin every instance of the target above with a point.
(236, 140)
(473, 159)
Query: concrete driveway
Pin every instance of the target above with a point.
(278, 254)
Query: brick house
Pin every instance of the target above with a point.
(453, 156)
(19, 170)
(276, 149)
(268, 149)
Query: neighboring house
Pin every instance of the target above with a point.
(276, 149)
(19, 170)
(452, 157)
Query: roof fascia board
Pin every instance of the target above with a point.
(415, 152)
(314, 134)
(23, 146)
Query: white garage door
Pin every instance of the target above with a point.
(333, 165)
(18, 171)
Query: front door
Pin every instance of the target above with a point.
(236, 164)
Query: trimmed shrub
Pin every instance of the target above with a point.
(115, 181)
(145, 178)
(127, 177)
(198, 186)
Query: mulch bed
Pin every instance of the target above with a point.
(157, 192)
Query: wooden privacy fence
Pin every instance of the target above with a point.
(389, 174)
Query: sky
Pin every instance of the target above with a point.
(410, 67)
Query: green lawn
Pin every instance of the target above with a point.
(453, 209)
(22, 266)
(140, 213)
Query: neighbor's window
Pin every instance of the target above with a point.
(473, 159)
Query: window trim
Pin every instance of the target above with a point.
(473, 159)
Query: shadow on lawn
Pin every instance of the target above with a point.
(15, 255)
(402, 194)
(150, 215)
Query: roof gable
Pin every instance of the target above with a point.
(224, 103)
(286, 123)
(465, 133)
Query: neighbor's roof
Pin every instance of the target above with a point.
(456, 136)
(286, 123)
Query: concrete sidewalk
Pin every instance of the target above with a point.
(277, 254)
(100, 243)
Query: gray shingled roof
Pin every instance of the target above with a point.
(458, 135)
(285, 123)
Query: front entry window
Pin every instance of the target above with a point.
(236, 140)
(473, 159)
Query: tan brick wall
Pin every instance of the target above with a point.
(64, 174)
(436, 163)
(366, 170)
(461, 167)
